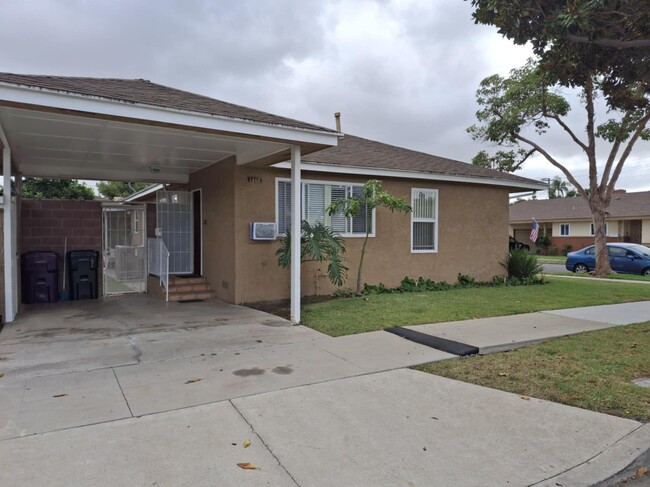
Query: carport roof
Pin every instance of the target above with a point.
(145, 92)
(135, 130)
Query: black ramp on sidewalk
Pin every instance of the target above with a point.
(438, 343)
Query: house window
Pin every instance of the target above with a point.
(424, 220)
(565, 229)
(316, 197)
(593, 232)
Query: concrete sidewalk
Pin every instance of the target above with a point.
(172, 406)
(509, 332)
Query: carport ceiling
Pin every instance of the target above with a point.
(56, 145)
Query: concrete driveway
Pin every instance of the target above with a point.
(133, 391)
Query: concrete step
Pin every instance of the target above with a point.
(186, 280)
(185, 288)
(192, 295)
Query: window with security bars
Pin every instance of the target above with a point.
(316, 198)
(424, 220)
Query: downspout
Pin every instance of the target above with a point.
(296, 231)
(9, 251)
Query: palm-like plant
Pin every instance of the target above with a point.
(557, 188)
(318, 243)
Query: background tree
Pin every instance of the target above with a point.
(317, 244)
(372, 196)
(528, 101)
(118, 189)
(48, 189)
(559, 188)
(577, 39)
(601, 47)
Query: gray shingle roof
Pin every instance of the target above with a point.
(358, 152)
(623, 205)
(351, 151)
(148, 93)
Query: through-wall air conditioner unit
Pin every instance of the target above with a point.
(262, 230)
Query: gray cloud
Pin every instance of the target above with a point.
(400, 72)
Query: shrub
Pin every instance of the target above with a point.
(521, 265)
(566, 249)
(465, 280)
(318, 243)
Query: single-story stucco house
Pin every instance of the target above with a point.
(568, 222)
(227, 176)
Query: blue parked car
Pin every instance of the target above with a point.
(624, 258)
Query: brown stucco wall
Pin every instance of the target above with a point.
(473, 235)
(218, 203)
(45, 224)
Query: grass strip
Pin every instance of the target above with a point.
(591, 370)
(346, 316)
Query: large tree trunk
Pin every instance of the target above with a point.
(598, 208)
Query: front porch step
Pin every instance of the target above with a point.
(191, 296)
(189, 288)
(185, 288)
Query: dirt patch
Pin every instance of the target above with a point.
(282, 308)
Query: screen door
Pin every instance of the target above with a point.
(174, 226)
(125, 255)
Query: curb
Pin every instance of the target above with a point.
(613, 464)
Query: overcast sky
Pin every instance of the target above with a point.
(400, 71)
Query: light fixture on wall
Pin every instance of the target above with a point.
(154, 169)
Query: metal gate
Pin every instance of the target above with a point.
(174, 226)
(125, 254)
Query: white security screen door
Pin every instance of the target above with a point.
(125, 255)
(174, 226)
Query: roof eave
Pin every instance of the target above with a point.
(143, 192)
(514, 186)
(64, 100)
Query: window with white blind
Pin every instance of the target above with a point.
(424, 220)
(316, 197)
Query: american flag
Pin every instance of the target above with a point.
(534, 232)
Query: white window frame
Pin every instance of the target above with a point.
(568, 229)
(433, 220)
(592, 229)
(302, 209)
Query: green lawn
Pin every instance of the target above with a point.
(346, 316)
(590, 370)
(551, 259)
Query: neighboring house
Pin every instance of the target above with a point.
(222, 167)
(568, 223)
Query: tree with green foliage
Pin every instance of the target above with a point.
(372, 196)
(318, 243)
(559, 188)
(49, 189)
(529, 99)
(118, 189)
(576, 40)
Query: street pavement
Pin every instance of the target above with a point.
(167, 394)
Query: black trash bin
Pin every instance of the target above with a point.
(82, 273)
(40, 277)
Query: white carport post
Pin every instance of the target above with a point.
(296, 231)
(9, 248)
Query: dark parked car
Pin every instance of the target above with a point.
(625, 258)
(516, 244)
